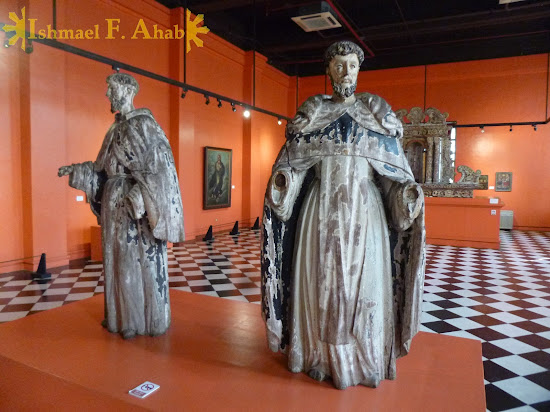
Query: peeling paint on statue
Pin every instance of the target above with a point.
(343, 236)
(133, 190)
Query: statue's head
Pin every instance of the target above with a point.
(342, 62)
(121, 90)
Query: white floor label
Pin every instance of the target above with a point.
(143, 390)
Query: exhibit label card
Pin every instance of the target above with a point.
(143, 390)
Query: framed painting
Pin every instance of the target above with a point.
(484, 182)
(503, 182)
(217, 177)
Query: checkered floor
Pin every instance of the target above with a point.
(500, 297)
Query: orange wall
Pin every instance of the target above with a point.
(58, 114)
(501, 90)
(487, 91)
(11, 196)
(309, 86)
(523, 152)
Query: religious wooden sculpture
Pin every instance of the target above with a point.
(133, 189)
(343, 236)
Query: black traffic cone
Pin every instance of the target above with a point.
(41, 273)
(256, 224)
(235, 230)
(208, 235)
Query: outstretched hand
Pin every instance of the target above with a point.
(65, 170)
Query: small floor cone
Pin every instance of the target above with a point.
(41, 273)
(256, 224)
(235, 230)
(208, 235)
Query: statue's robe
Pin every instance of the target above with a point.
(133, 189)
(343, 258)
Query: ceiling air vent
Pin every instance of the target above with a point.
(318, 21)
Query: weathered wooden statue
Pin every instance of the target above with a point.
(133, 189)
(343, 236)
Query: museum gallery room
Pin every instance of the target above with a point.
(203, 200)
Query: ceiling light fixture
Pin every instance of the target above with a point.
(510, 127)
(279, 121)
(246, 113)
(482, 129)
(207, 102)
(219, 103)
(233, 107)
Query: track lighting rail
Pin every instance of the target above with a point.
(117, 65)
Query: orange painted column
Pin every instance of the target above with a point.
(12, 65)
(189, 165)
(291, 98)
(176, 72)
(247, 175)
(176, 67)
(44, 146)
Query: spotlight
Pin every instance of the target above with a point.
(207, 102)
(246, 113)
(510, 127)
(7, 43)
(535, 127)
(279, 122)
(233, 107)
(116, 69)
(29, 49)
(482, 129)
(219, 103)
(183, 93)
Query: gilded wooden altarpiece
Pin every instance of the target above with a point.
(427, 145)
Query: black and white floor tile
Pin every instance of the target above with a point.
(502, 298)
(499, 297)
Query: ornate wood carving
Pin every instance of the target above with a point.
(430, 129)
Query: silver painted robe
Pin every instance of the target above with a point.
(133, 189)
(343, 258)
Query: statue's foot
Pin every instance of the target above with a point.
(317, 375)
(128, 334)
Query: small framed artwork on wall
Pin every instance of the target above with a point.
(484, 182)
(503, 182)
(217, 177)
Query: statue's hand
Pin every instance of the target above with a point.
(413, 197)
(65, 170)
(405, 201)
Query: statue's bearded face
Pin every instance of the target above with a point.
(343, 71)
(118, 95)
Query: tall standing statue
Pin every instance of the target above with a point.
(133, 189)
(343, 236)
